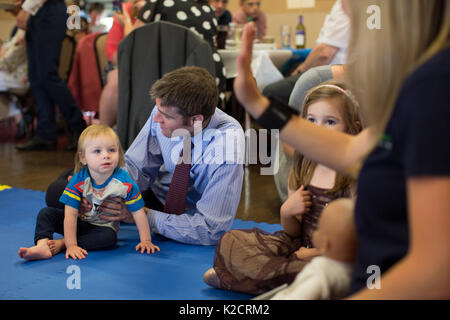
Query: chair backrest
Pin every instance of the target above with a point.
(142, 62)
(66, 57)
(100, 52)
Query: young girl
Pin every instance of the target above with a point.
(97, 176)
(254, 262)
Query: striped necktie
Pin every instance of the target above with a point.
(176, 196)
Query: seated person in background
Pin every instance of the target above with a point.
(13, 58)
(123, 23)
(13, 63)
(95, 12)
(186, 100)
(329, 275)
(331, 48)
(250, 9)
(13, 75)
(222, 14)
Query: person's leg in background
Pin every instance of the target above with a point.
(282, 89)
(45, 33)
(109, 99)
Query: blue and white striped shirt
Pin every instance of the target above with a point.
(215, 182)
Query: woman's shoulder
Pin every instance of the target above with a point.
(435, 68)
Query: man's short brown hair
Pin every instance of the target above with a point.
(191, 89)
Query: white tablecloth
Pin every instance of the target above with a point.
(278, 58)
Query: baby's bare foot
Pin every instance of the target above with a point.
(56, 246)
(37, 252)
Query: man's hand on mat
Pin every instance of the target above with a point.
(115, 210)
(147, 246)
(75, 252)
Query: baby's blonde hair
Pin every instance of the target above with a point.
(92, 132)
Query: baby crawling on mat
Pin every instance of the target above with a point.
(97, 176)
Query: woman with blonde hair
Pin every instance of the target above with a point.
(401, 71)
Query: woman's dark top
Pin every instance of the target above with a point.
(416, 143)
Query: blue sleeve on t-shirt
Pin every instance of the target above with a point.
(133, 200)
(73, 192)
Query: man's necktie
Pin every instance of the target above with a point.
(176, 196)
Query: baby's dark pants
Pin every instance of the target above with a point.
(89, 236)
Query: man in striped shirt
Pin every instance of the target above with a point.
(186, 101)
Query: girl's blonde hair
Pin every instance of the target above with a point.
(302, 170)
(92, 132)
(411, 32)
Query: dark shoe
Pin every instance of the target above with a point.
(37, 144)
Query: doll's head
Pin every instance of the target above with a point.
(335, 236)
(99, 149)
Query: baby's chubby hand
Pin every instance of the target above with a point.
(147, 246)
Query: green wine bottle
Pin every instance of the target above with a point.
(300, 34)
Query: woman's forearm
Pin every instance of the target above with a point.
(335, 150)
(410, 279)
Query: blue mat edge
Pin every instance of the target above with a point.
(237, 224)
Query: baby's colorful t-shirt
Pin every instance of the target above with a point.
(120, 184)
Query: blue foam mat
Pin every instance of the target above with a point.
(175, 273)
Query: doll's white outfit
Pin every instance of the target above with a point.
(322, 279)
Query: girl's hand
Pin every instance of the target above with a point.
(307, 253)
(147, 246)
(298, 203)
(75, 252)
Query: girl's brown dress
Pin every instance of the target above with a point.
(254, 261)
